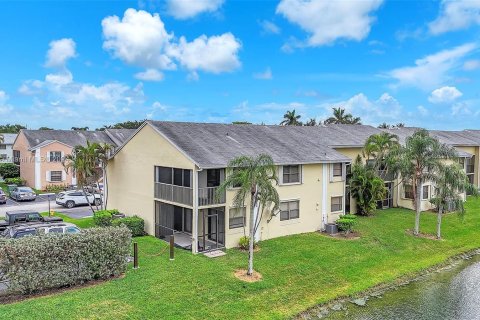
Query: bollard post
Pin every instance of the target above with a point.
(172, 245)
(135, 255)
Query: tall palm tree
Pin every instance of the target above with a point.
(255, 179)
(86, 162)
(103, 154)
(340, 117)
(419, 161)
(380, 148)
(290, 118)
(1, 138)
(450, 182)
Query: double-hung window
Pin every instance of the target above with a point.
(55, 156)
(291, 174)
(236, 217)
(408, 191)
(289, 210)
(337, 169)
(425, 192)
(336, 204)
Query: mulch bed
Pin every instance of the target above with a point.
(422, 235)
(241, 274)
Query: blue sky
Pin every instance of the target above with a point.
(90, 63)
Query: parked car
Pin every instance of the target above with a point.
(24, 230)
(74, 198)
(25, 217)
(11, 187)
(23, 194)
(3, 197)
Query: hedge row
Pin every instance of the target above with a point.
(104, 218)
(37, 263)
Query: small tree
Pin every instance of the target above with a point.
(340, 117)
(9, 170)
(254, 178)
(450, 182)
(366, 187)
(290, 118)
(381, 148)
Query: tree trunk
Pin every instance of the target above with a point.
(88, 201)
(418, 206)
(252, 235)
(439, 222)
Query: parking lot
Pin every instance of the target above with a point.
(41, 205)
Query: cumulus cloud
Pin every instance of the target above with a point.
(215, 54)
(328, 21)
(444, 95)
(184, 9)
(265, 75)
(149, 75)
(140, 39)
(432, 70)
(268, 27)
(61, 78)
(455, 15)
(60, 52)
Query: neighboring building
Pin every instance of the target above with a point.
(40, 153)
(168, 174)
(6, 147)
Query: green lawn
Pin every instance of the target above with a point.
(81, 223)
(298, 272)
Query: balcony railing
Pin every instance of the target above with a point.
(208, 196)
(173, 193)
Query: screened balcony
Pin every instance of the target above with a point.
(174, 185)
(208, 182)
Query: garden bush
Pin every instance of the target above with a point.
(349, 216)
(244, 243)
(36, 263)
(18, 181)
(103, 218)
(135, 224)
(56, 188)
(9, 170)
(346, 224)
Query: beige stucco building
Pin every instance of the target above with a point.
(168, 174)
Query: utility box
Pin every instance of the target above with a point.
(331, 228)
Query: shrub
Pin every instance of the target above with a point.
(56, 188)
(244, 243)
(9, 170)
(135, 224)
(349, 216)
(37, 263)
(18, 181)
(102, 218)
(346, 225)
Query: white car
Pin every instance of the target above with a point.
(74, 198)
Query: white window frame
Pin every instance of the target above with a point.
(300, 175)
(428, 192)
(342, 203)
(244, 209)
(289, 218)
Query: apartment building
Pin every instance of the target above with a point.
(168, 173)
(40, 153)
(6, 147)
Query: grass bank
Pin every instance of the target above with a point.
(298, 272)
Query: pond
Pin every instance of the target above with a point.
(449, 294)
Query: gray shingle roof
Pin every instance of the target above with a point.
(8, 138)
(68, 137)
(214, 145)
(119, 136)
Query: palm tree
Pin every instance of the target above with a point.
(419, 161)
(450, 182)
(380, 148)
(1, 138)
(254, 178)
(340, 117)
(384, 125)
(103, 154)
(290, 118)
(311, 122)
(85, 162)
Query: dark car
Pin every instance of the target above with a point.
(25, 217)
(3, 197)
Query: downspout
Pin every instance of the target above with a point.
(324, 195)
(195, 211)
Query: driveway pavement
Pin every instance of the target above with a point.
(42, 206)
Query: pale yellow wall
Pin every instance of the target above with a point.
(27, 160)
(130, 174)
(474, 151)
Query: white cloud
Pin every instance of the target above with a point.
(444, 95)
(456, 15)
(60, 52)
(184, 9)
(265, 75)
(215, 54)
(3, 97)
(268, 27)
(422, 110)
(471, 65)
(149, 75)
(328, 21)
(61, 78)
(156, 106)
(4, 107)
(432, 70)
(141, 39)
(30, 87)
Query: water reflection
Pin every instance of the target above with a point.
(453, 294)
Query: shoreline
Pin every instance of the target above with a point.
(322, 310)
